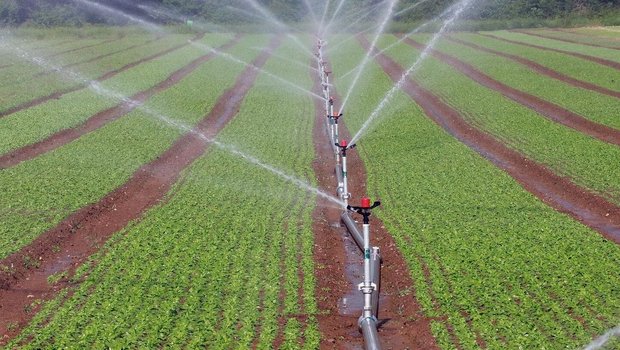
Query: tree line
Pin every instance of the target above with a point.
(80, 12)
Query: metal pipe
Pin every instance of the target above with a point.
(375, 277)
(368, 327)
(340, 188)
(345, 186)
(353, 230)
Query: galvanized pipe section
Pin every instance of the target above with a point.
(340, 180)
(368, 327)
(375, 277)
(355, 233)
(345, 186)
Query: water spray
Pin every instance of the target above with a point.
(368, 321)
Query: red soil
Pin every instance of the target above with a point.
(536, 67)
(105, 76)
(556, 191)
(551, 111)
(402, 323)
(598, 60)
(566, 40)
(82, 233)
(102, 118)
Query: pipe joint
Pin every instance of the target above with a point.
(370, 319)
(367, 289)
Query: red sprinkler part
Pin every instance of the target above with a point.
(365, 203)
(343, 146)
(365, 208)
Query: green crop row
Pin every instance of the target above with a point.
(42, 48)
(488, 260)
(598, 39)
(41, 192)
(588, 161)
(36, 123)
(571, 66)
(24, 71)
(589, 104)
(226, 262)
(609, 54)
(67, 78)
(607, 32)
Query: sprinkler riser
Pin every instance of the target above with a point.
(345, 186)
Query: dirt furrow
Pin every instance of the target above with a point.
(551, 111)
(556, 191)
(58, 94)
(402, 323)
(602, 61)
(539, 68)
(539, 35)
(83, 232)
(102, 118)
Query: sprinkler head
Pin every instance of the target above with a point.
(365, 208)
(343, 143)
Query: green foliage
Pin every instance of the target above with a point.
(43, 191)
(226, 258)
(64, 12)
(487, 258)
(575, 155)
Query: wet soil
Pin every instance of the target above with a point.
(566, 40)
(339, 261)
(58, 94)
(538, 68)
(551, 111)
(83, 233)
(554, 190)
(602, 61)
(102, 118)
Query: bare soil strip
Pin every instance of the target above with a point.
(93, 59)
(102, 118)
(105, 76)
(556, 191)
(81, 234)
(602, 61)
(539, 68)
(551, 111)
(566, 40)
(402, 322)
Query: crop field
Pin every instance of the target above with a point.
(177, 190)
